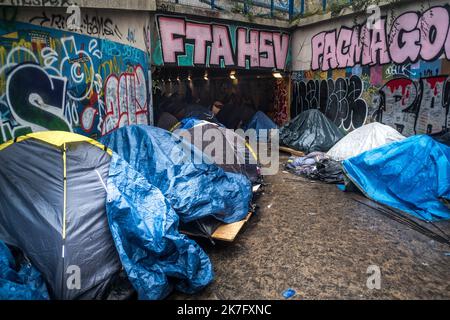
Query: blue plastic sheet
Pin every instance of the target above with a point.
(144, 227)
(190, 122)
(195, 189)
(412, 175)
(260, 121)
(24, 284)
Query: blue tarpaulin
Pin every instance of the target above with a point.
(144, 227)
(26, 283)
(194, 189)
(188, 123)
(261, 121)
(412, 175)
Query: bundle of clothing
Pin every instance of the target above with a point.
(317, 166)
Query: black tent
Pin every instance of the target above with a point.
(310, 131)
(52, 207)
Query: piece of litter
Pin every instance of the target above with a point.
(425, 264)
(289, 293)
(285, 172)
(269, 206)
(312, 213)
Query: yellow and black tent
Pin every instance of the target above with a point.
(52, 207)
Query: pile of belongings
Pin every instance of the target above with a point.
(310, 131)
(327, 167)
(71, 203)
(365, 138)
(316, 166)
(411, 175)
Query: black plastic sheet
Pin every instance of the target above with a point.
(310, 131)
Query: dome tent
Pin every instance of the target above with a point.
(310, 131)
(244, 160)
(67, 200)
(365, 138)
(52, 207)
(260, 121)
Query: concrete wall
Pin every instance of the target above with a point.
(396, 72)
(89, 80)
(227, 14)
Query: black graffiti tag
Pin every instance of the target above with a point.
(340, 100)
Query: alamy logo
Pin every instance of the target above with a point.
(74, 18)
(233, 147)
(74, 279)
(374, 279)
(374, 19)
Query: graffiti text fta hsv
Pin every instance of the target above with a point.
(213, 44)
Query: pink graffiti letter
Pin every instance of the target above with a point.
(171, 45)
(267, 59)
(343, 47)
(404, 38)
(221, 46)
(247, 49)
(433, 31)
(317, 44)
(378, 46)
(329, 53)
(281, 47)
(355, 49)
(201, 33)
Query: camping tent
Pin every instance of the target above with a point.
(52, 207)
(222, 146)
(365, 138)
(261, 121)
(69, 203)
(411, 175)
(310, 131)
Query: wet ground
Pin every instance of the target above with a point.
(319, 241)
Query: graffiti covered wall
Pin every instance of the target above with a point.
(395, 69)
(89, 82)
(188, 43)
